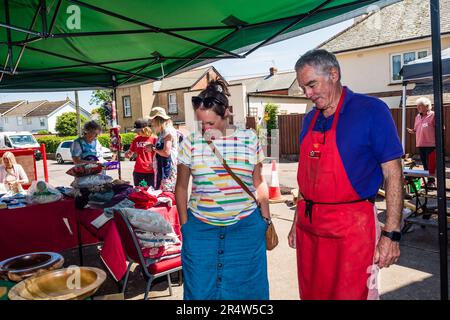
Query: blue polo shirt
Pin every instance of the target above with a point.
(366, 137)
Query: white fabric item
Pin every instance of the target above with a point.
(147, 220)
(91, 181)
(165, 200)
(154, 239)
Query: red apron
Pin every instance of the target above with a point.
(336, 230)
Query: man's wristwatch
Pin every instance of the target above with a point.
(393, 235)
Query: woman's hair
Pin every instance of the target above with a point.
(10, 156)
(160, 122)
(218, 90)
(425, 102)
(146, 132)
(91, 126)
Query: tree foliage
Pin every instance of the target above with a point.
(66, 124)
(270, 115)
(101, 118)
(99, 97)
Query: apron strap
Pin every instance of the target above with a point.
(309, 205)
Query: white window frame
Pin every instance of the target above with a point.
(5, 119)
(173, 106)
(402, 55)
(42, 122)
(126, 107)
(253, 112)
(29, 121)
(19, 121)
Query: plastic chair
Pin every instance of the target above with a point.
(133, 252)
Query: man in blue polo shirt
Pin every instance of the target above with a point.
(348, 146)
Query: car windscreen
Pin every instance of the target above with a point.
(22, 139)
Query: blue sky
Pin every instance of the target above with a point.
(282, 55)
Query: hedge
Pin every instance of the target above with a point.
(52, 142)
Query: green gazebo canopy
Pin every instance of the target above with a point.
(70, 44)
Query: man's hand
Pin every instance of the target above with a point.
(292, 237)
(410, 130)
(387, 252)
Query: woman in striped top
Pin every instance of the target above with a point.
(224, 250)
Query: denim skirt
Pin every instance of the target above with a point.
(225, 263)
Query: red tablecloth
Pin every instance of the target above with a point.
(41, 228)
(112, 252)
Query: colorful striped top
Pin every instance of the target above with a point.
(216, 197)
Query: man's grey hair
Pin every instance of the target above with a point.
(91, 126)
(321, 60)
(425, 102)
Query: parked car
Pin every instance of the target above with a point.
(63, 152)
(22, 139)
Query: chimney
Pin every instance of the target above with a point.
(360, 18)
(273, 70)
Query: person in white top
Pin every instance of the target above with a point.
(12, 175)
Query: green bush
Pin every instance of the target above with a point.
(43, 132)
(104, 140)
(126, 139)
(271, 112)
(52, 142)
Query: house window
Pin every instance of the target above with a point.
(400, 59)
(29, 121)
(253, 112)
(173, 107)
(42, 122)
(5, 120)
(126, 106)
(422, 54)
(19, 121)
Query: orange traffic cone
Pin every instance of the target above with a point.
(274, 188)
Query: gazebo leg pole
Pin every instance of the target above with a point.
(404, 117)
(440, 152)
(115, 123)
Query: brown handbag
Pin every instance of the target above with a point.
(271, 234)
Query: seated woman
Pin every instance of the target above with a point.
(12, 173)
(87, 149)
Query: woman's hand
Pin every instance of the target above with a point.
(411, 131)
(128, 154)
(150, 147)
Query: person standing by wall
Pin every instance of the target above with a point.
(424, 129)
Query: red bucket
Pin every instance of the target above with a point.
(432, 163)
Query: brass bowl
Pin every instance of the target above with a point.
(24, 266)
(73, 283)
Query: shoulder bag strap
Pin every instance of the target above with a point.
(227, 167)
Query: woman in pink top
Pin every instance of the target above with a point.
(424, 129)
